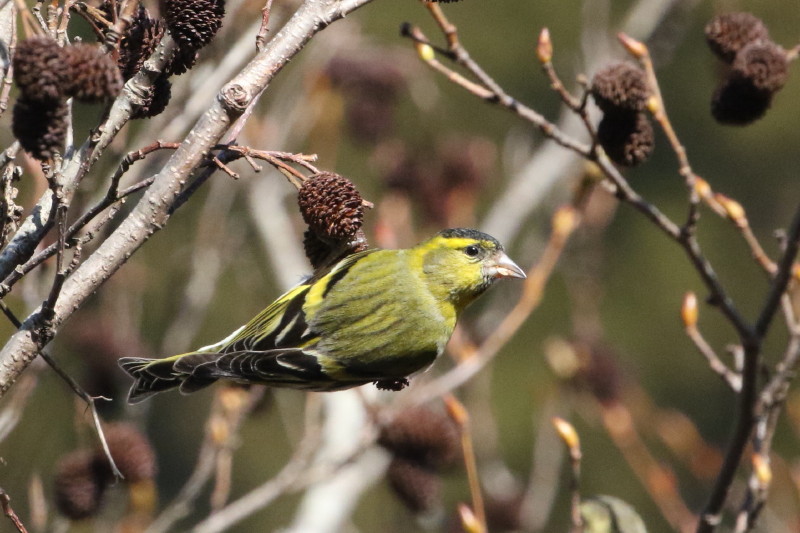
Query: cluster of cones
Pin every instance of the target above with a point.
(757, 68)
(48, 74)
(621, 91)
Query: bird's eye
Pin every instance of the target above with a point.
(472, 250)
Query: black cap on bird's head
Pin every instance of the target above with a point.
(467, 233)
(498, 264)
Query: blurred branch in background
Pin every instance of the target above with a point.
(750, 335)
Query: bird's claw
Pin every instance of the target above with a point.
(392, 384)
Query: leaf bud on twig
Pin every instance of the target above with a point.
(544, 47)
(425, 51)
(636, 48)
(733, 209)
(762, 469)
(469, 522)
(567, 433)
(689, 310)
(703, 189)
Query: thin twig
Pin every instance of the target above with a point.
(73, 241)
(261, 37)
(544, 51)
(460, 416)
(5, 503)
(294, 476)
(486, 93)
(782, 278)
(569, 436)
(751, 344)
(76, 388)
(222, 429)
(657, 479)
(730, 377)
(60, 275)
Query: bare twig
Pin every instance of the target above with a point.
(657, 479)
(227, 415)
(76, 388)
(571, 440)
(60, 274)
(689, 315)
(751, 344)
(5, 503)
(288, 479)
(71, 240)
(460, 416)
(750, 335)
(488, 90)
(544, 51)
(261, 38)
(658, 109)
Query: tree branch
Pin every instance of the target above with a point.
(153, 210)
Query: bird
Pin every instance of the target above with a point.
(377, 316)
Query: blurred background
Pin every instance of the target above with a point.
(605, 349)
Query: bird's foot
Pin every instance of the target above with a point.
(392, 384)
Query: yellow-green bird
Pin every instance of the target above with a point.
(376, 316)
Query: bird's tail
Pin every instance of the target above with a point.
(151, 376)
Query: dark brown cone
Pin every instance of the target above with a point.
(320, 253)
(620, 87)
(79, 484)
(728, 33)
(627, 138)
(316, 249)
(193, 23)
(737, 102)
(93, 76)
(141, 39)
(417, 487)
(764, 64)
(183, 60)
(331, 206)
(422, 435)
(40, 69)
(160, 93)
(40, 127)
(132, 452)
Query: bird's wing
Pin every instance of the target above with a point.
(288, 367)
(284, 323)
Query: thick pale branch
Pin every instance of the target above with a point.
(153, 210)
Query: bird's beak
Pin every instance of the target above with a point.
(502, 266)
